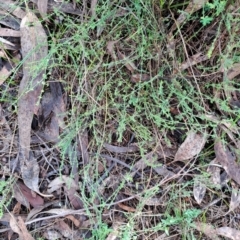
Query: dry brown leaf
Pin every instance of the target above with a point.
(52, 234)
(193, 60)
(4, 74)
(140, 78)
(116, 149)
(215, 173)
(51, 113)
(20, 197)
(207, 229)
(24, 195)
(17, 208)
(14, 225)
(110, 49)
(6, 32)
(229, 232)
(83, 147)
(30, 172)
(70, 188)
(74, 198)
(199, 190)
(76, 222)
(148, 160)
(34, 212)
(191, 147)
(59, 105)
(126, 208)
(127, 62)
(42, 7)
(58, 182)
(60, 211)
(34, 50)
(227, 160)
(26, 235)
(234, 71)
(64, 229)
(235, 199)
(19, 227)
(163, 171)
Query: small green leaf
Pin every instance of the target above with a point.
(206, 20)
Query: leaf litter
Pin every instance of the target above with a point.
(192, 146)
(33, 38)
(121, 175)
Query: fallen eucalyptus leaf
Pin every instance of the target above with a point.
(19, 227)
(34, 51)
(199, 190)
(70, 188)
(30, 172)
(191, 147)
(235, 199)
(214, 171)
(227, 160)
(23, 195)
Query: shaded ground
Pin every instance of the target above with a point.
(119, 119)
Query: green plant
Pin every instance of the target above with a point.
(183, 218)
(5, 190)
(101, 231)
(216, 7)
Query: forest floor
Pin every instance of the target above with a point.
(119, 119)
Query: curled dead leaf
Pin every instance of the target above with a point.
(34, 50)
(30, 172)
(58, 182)
(19, 227)
(4, 74)
(70, 188)
(24, 195)
(199, 190)
(192, 146)
(227, 159)
(127, 62)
